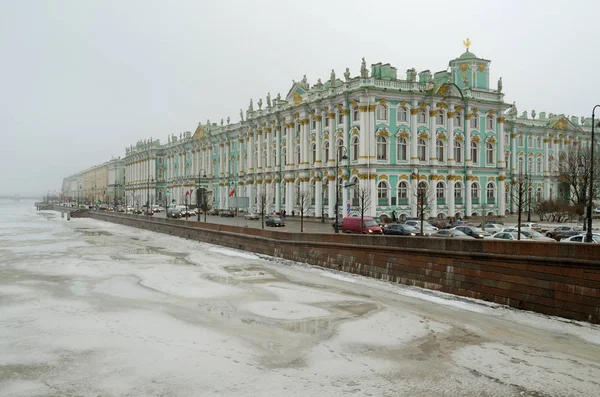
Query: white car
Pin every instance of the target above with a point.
(533, 235)
(417, 224)
(530, 225)
(252, 216)
(580, 238)
(492, 228)
(507, 236)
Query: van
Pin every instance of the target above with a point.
(369, 226)
(173, 212)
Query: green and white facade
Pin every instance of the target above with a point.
(447, 130)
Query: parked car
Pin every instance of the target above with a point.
(274, 221)
(138, 210)
(533, 235)
(397, 229)
(439, 223)
(353, 225)
(580, 238)
(148, 212)
(252, 216)
(493, 228)
(530, 225)
(561, 229)
(596, 210)
(213, 211)
(226, 214)
(157, 209)
(508, 236)
(458, 223)
(451, 233)
(173, 212)
(417, 224)
(567, 234)
(129, 209)
(473, 231)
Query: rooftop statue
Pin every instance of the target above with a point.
(319, 83)
(304, 82)
(269, 100)
(251, 106)
(430, 84)
(364, 73)
(241, 115)
(228, 120)
(583, 121)
(221, 122)
(512, 111)
(332, 77)
(259, 103)
(278, 97)
(533, 114)
(500, 84)
(347, 74)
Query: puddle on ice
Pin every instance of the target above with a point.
(222, 279)
(95, 233)
(311, 326)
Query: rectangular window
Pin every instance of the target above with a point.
(326, 121)
(355, 114)
(314, 124)
(340, 117)
(475, 121)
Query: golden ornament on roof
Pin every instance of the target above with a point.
(467, 43)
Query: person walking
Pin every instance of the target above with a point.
(283, 214)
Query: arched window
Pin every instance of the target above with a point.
(382, 190)
(421, 149)
(475, 152)
(355, 114)
(490, 191)
(314, 124)
(520, 140)
(475, 121)
(440, 118)
(530, 165)
(401, 149)
(539, 142)
(489, 153)
(313, 153)
(313, 189)
(403, 190)
(489, 122)
(539, 165)
(298, 155)
(529, 141)
(422, 118)
(458, 119)
(340, 117)
(381, 148)
(475, 190)
(284, 156)
(354, 147)
(520, 168)
(458, 151)
(422, 192)
(382, 112)
(458, 188)
(538, 194)
(440, 150)
(506, 140)
(440, 190)
(340, 150)
(355, 192)
(326, 151)
(402, 114)
(326, 120)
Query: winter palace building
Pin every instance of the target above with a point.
(448, 131)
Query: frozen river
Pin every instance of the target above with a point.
(94, 309)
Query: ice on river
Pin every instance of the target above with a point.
(94, 309)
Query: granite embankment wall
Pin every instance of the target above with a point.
(551, 278)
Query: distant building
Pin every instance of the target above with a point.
(448, 131)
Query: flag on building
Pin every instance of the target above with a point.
(232, 192)
(187, 192)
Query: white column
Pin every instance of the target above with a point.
(546, 155)
(501, 196)
(432, 138)
(276, 136)
(278, 197)
(331, 197)
(468, 143)
(450, 195)
(414, 159)
(413, 196)
(450, 155)
(468, 209)
(269, 136)
(372, 188)
(259, 139)
(248, 155)
(318, 197)
(514, 152)
(432, 198)
(303, 144)
(289, 198)
(500, 150)
(319, 143)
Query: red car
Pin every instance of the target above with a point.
(226, 214)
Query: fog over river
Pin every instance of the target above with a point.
(89, 308)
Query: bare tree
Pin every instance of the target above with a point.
(303, 201)
(361, 202)
(519, 198)
(574, 166)
(262, 201)
(424, 201)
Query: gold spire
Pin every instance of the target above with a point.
(467, 43)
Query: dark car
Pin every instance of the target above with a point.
(567, 234)
(274, 221)
(397, 229)
(213, 211)
(473, 231)
(439, 223)
(226, 214)
(560, 230)
(457, 223)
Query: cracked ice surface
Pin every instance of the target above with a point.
(94, 309)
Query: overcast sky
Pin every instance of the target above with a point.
(80, 80)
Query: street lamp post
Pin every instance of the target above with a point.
(201, 174)
(588, 235)
(342, 150)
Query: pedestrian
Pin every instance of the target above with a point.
(283, 214)
(293, 213)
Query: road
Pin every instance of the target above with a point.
(90, 308)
